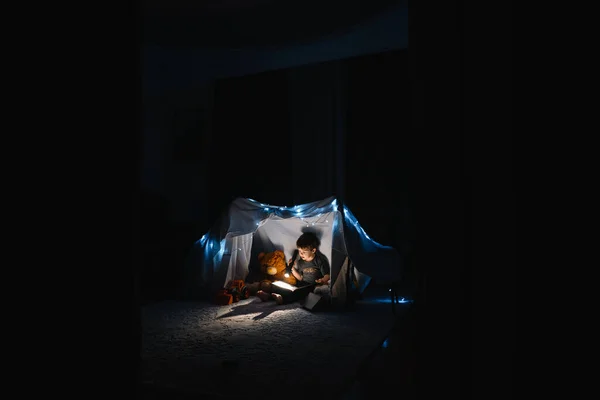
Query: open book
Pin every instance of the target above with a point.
(285, 285)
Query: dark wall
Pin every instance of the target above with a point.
(313, 116)
(378, 152)
(251, 142)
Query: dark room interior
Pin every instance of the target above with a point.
(290, 102)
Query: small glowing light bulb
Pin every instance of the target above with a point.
(286, 275)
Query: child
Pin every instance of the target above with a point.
(313, 266)
(311, 269)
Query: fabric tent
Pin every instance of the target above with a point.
(248, 227)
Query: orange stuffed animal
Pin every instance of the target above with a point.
(273, 266)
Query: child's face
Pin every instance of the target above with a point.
(307, 254)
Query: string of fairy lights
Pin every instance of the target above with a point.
(305, 213)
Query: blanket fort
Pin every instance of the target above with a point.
(248, 227)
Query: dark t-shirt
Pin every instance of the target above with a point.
(315, 269)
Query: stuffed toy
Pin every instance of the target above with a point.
(272, 267)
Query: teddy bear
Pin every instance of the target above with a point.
(273, 268)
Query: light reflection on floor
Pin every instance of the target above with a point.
(386, 299)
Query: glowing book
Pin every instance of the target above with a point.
(285, 285)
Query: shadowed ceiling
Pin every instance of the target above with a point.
(248, 23)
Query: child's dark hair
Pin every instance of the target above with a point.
(308, 240)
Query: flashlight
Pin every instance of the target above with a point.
(289, 267)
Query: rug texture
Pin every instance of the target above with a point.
(256, 349)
